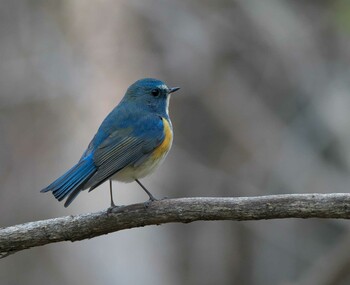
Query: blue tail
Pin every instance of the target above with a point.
(72, 182)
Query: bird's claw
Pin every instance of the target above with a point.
(114, 208)
(148, 202)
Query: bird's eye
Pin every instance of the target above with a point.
(155, 92)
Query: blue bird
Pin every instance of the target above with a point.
(130, 143)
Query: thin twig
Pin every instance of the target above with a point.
(185, 210)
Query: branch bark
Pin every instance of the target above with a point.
(185, 210)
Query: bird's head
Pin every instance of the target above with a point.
(150, 93)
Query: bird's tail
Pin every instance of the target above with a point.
(72, 182)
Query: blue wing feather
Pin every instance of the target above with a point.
(72, 182)
(126, 147)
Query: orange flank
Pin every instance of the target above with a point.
(164, 147)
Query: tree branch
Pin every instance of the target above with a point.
(185, 210)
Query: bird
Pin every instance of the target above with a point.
(131, 142)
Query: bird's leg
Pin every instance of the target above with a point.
(151, 197)
(109, 210)
(111, 193)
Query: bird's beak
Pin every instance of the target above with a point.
(174, 89)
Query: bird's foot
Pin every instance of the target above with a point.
(114, 208)
(149, 202)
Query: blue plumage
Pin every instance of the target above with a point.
(71, 182)
(124, 143)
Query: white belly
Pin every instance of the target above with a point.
(130, 173)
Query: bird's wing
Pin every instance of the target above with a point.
(126, 147)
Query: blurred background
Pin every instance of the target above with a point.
(263, 109)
